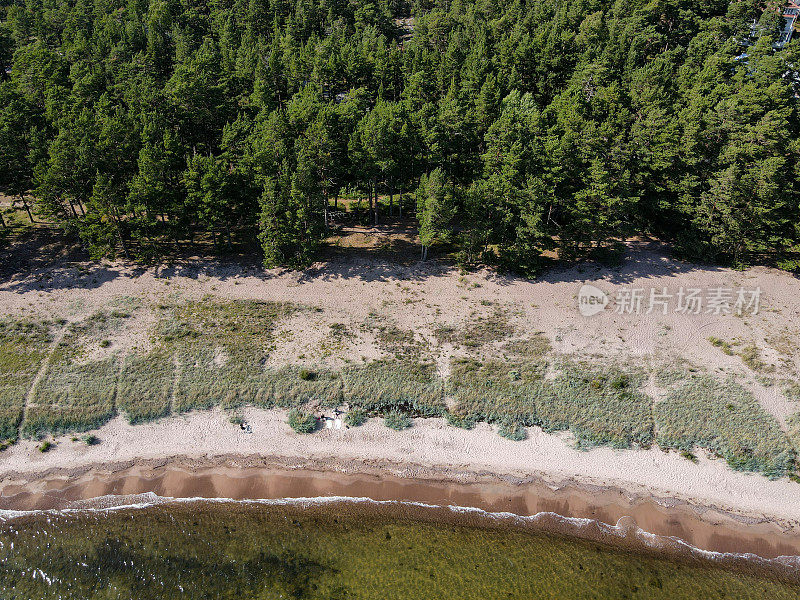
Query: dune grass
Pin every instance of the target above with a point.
(205, 380)
(23, 346)
(204, 383)
(209, 353)
(495, 391)
(145, 386)
(74, 395)
(390, 385)
(232, 323)
(295, 386)
(724, 418)
(221, 348)
(599, 405)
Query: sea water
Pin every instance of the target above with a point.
(337, 549)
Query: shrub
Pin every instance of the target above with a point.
(512, 431)
(356, 417)
(91, 440)
(46, 446)
(396, 420)
(301, 421)
(307, 375)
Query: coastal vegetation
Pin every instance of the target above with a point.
(23, 347)
(213, 353)
(302, 421)
(507, 131)
(396, 420)
(724, 418)
(75, 394)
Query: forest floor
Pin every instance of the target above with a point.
(682, 403)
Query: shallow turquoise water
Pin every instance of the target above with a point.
(258, 551)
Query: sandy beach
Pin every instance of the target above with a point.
(201, 453)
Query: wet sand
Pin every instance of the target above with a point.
(615, 515)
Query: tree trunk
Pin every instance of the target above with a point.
(72, 206)
(3, 221)
(120, 236)
(375, 194)
(325, 209)
(176, 235)
(27, 207)
(400, 204)
(369, 196)
(391, 199)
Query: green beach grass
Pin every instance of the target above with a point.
(76, 394)
(210, 353)
(724, 418)
(23, 346)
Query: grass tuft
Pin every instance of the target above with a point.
(302, 422)
(478, 332)
(396, 420)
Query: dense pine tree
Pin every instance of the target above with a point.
(519, 127)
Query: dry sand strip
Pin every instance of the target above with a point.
(203, 454)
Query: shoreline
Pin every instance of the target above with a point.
(644, 498)
(597, 513)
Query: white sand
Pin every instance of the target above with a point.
(430, 443)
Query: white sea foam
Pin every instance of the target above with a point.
(575, 524)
